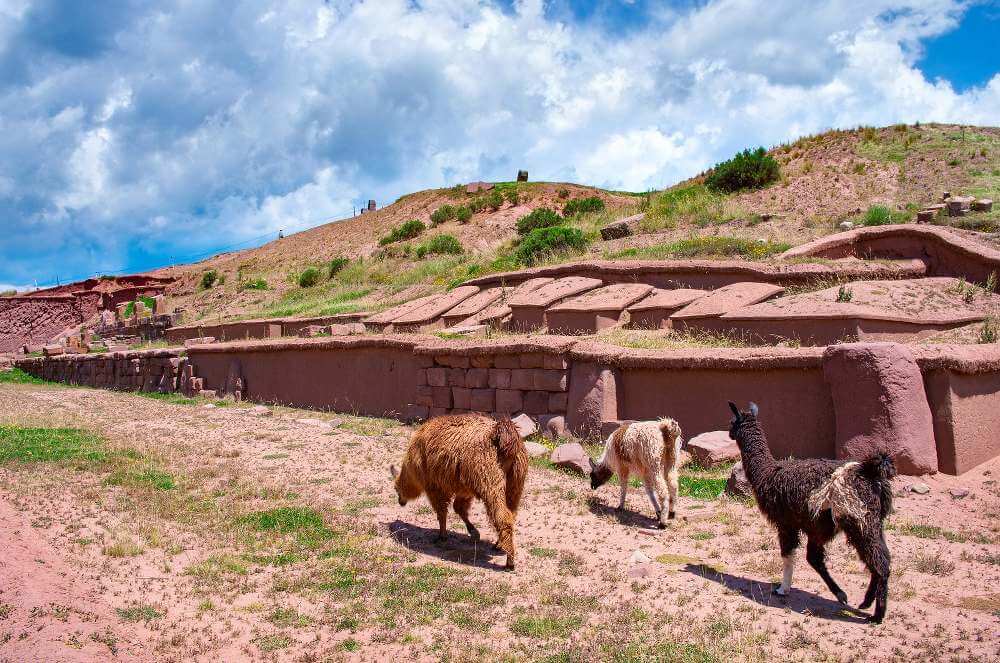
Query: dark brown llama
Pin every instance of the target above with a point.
(820, 498)
(464, 456)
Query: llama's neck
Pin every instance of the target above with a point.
(758, 461)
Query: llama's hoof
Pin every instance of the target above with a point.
(867, 603)
(874, 620)
(842, 597)
(661, 525)
(509, 566)
(671, 515)
(777, 592)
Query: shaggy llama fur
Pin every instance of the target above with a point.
(464, 456)
(650, 449)
(821, 498)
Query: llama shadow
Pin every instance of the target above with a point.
(623, 516)
(458, 548)
(800, 601)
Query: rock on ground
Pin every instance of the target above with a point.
(536, 450)
(571, 456)
(738, 485)
(713, 448)
(525, 425)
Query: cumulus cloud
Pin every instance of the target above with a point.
(133, 132)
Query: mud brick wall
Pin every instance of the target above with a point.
(33, 321)
(534, 383)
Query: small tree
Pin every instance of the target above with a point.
(750, 169)
(209, 278)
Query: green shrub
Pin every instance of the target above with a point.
(309, 277)
(463, 214)
(254, 284)
(336, 265)
(750, 169)
(541, 242)
(582, 206)
(494, 200)
(440, 244)
(442, 214)
(877, 215)
(510, 195)
(209, 278)
(408, 230)
(541, 217)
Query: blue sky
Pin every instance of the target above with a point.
(136, 133)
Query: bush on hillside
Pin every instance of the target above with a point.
(877, 215)
(254, 284)
(542, 242)
(440, 244)
(541, 217)
(442, 214)
(750, 169)
(309, 277)
(209, 278)
(336, 265)
(408, 230)
(463, 214)
(582, 206)
(494, 200)
(511, 196)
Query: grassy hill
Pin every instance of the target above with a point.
(822, 180)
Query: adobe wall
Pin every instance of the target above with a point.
(254, 329)
(592, 386)
(33, 321)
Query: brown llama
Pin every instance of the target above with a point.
(464, 456)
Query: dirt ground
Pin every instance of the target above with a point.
(158, 550)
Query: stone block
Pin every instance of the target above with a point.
(452, 361)
(536, 450)
(509, 401)
(525, 425)
(461, 398)
(982, 205)
(532, 360)
(437, 377)
(551, 380)
(553, 426)
(421, 377)
(483, 400)
(456, 377)
(507, 361)
(713, 448)
(500, 378)
(536, 402)
(593, 398)
(438, 411)
(477, 378)
(481, 361)
(738, 485)
(571, 456)
(424, 361)
(441, 397)
(880, 405)
(555, 362)
(424, 396)
(557, 402)
(522, 378)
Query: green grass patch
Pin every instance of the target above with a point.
(175, 398)
(693, 204)
(39, 445)
(17, 376)
(701, 488)
(717, 246)
(552, 626)
(922, 531)
(139, 612)
(305, 523)
(146, 478)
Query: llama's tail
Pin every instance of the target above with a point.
(880, 470)
(513, 458)
(839, 495)
(671, 442)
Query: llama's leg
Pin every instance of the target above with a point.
(788, 540)
(662, 494)
(875, 554)
(816, 556)
(623, 479)
(462, 505)
(649, 482)
(439, 501)
(673, 485)
(503, 522)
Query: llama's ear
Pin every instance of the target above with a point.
(736, 410)
(753, 409)
(394, 472)
(593, 465)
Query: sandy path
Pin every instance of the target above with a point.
(710, 592)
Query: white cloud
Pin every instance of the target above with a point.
(183, 126)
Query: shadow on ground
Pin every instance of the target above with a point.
(798, 600)
(460, 547)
